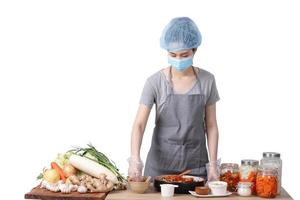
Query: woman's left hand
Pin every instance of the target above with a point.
(213, 170)
(213, 175)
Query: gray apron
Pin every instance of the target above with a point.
(178, 141)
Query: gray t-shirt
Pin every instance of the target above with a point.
(156, 87)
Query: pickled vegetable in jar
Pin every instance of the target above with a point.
(266, 182)
(273, 159)
(230, 174)
(248, 173)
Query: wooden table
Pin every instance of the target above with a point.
(151, 194)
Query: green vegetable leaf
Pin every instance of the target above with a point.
(40, 176)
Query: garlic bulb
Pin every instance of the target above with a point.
(82, 189)
(66, 188)
(59, 186)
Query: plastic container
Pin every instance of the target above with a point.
(273, 159)
(167, 190)
(248, 172)
(266, 181)
(244, 189)
(230, 174)
(218, 187)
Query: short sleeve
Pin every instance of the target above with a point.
(214, 94)
(148, 95)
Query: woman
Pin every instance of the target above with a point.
(185, 98)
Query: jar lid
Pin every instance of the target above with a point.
(249, 162)
(233, 165)
(271, 155)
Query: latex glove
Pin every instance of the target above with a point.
(135, 168)
(213, 170)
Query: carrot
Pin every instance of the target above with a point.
(55, 166)
(266, 186)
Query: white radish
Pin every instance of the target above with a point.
(92, 168)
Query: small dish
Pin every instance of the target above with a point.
(202, 190)
(209, 195)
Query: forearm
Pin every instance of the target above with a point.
(212, 140)
(136, 140)
(135, 163)
(138, 129)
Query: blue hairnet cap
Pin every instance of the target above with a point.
(180, 34)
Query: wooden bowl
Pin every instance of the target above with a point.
(138, 186)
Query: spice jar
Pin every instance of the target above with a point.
(230, 174)
(273, 159)
(244, 189)
(266, 181)
(248, 172)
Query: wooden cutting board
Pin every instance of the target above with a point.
(39, 193)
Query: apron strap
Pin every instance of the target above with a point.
(198, 79)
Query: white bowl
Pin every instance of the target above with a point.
(167, 190)
(218, 187)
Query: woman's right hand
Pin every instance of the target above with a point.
(135, 168)
(136, 165)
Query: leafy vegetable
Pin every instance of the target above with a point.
(63, 158)
(40, 176)
(92, 153)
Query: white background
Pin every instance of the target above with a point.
(71, 72)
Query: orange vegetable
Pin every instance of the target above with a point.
(177, 179)
(232, 180)
(266, 186)
(55, 166)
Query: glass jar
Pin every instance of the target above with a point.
(273, 159)
(230, 174)
(266, 181)
(244, 189)
(248, 172)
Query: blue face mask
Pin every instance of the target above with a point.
(180, 64)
